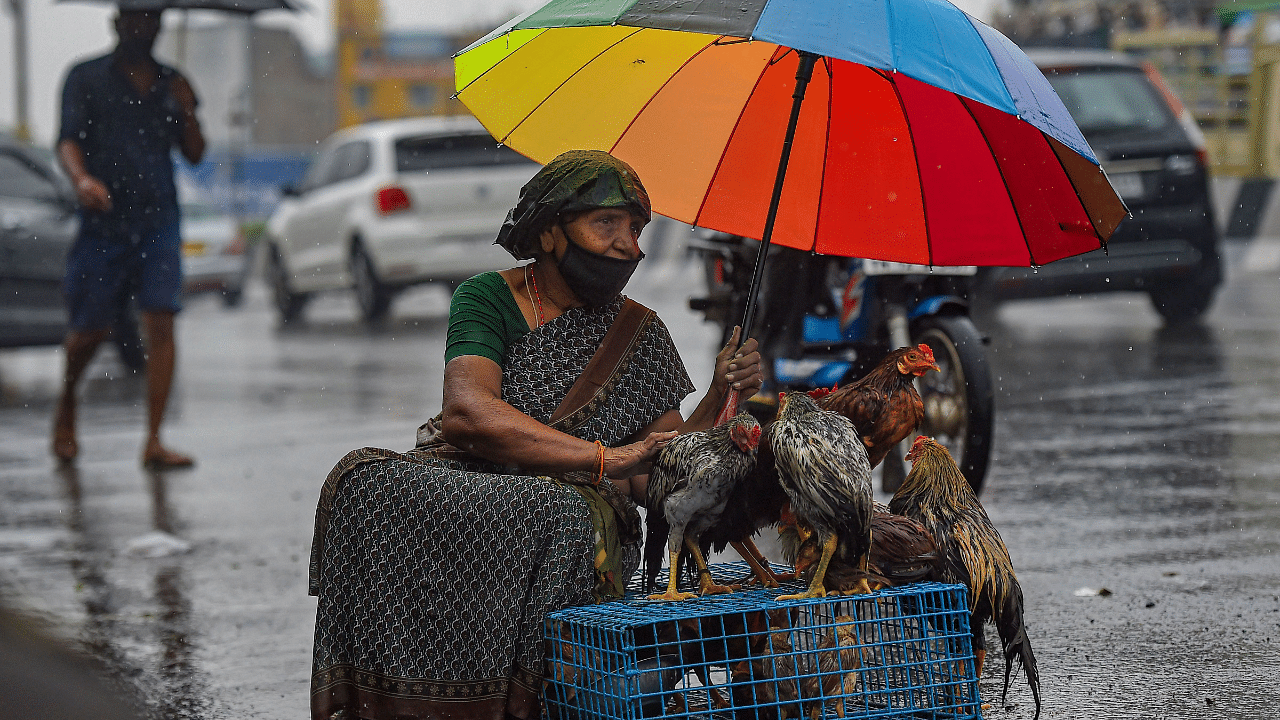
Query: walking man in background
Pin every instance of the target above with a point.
(121, 116)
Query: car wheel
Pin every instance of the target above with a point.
(288, 303)
(1185, 302)
(959, 398)
(373, 296)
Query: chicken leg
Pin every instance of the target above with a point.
(759, 564)
(862, 586)
(706, 586)
(816, 588)
(672, 594)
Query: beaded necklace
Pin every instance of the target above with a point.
(531, 281)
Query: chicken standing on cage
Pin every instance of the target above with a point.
(937, 494)
(756, 502)
(824, 469)
(884, 404)
(902, 552)
(689, 488)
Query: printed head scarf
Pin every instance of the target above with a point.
(574, 181)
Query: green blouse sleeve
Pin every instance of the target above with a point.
(483, 319)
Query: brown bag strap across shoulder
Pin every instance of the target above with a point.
(603, 367)
(601, 372)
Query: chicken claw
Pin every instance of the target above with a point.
(673, 595)
(707, 586)
(760, 570)
(816, 588)
(812, 592)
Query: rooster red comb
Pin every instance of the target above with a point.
(819, 393)
(926, 351)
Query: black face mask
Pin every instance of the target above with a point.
(595, 279)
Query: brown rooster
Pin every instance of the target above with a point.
(902, 552)
(689, 488)
(936, 494)
(823, 467)
(884, 404)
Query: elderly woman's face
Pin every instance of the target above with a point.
(614, 232)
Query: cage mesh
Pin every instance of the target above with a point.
(899, 652)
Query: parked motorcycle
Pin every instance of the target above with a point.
(854, 311)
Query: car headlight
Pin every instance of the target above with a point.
(1181, 164)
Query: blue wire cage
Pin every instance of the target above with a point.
(899, 652)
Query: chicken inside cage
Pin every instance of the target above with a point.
(747, 656)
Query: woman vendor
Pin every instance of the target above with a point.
(435, 568)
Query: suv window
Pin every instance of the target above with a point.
(18, 179)
(317, 171)
(349, 161)
(343, 162)
(456, 151)
(1111, 100)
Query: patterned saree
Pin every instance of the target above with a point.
(435, 572)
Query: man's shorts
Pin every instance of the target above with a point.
(106, 267)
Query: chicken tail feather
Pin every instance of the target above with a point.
(1013, 636)
(655, 547)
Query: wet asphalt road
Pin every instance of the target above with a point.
(1127, 456)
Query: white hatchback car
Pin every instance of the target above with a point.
(391, 204)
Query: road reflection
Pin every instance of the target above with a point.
(149, 654)
(1110, 423)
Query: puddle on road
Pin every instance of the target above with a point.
(135, 619)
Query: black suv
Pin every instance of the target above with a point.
(1155, 158)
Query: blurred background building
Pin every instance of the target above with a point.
(382, 75)
(265, 103)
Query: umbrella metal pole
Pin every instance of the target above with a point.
(804, 73)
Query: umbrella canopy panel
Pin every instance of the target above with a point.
(932, 41)
(884, 165)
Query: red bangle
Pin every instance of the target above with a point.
(600, 457)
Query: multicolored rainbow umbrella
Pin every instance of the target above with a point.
(925, 136)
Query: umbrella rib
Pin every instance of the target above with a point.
(564, 82)
(924, 204)
(822, 179)
(631, 123)
(1102, 242)
(504, 58)
(720, 161)
(1026, 240)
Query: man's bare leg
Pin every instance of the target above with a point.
(79, 347)
(161, 358)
